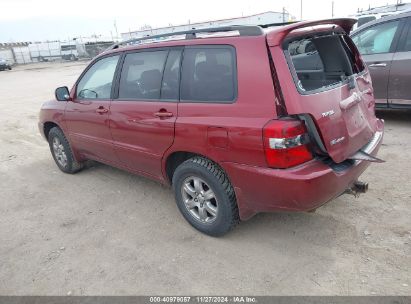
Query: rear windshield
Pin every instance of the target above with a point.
(322, 62)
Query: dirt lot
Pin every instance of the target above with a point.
(105, 231)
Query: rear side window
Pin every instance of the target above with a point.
(209, 74)
(407, 42)
(321, 62)
(141, 75)
(376, 39)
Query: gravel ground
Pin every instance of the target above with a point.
(104, 231)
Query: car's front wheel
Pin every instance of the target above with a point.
(61, 151)
(205, 196)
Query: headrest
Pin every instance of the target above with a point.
(208, 71)
(150, 79)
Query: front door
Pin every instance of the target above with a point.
(144, 113)
(377, 46)
(87, 115)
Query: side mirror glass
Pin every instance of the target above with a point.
(62, 94)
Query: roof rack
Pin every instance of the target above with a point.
(243, 30)
(276, 24)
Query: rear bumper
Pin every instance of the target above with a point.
(301, 188)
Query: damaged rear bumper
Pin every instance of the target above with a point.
(301, 188)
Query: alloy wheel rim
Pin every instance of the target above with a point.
(199, 199)
(59, 152)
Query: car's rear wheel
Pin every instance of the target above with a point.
(61, 151)
(205, 196)
(9, 68)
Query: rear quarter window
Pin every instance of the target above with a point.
(209, 74)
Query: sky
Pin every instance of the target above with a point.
(40, 20)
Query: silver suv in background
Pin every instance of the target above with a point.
(385, 46)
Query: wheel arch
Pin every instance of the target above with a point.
(47, 126)
(175, 158)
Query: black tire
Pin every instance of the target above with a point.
(71, 165)
(9, 68)
(227, 216)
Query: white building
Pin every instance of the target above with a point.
(258, 19)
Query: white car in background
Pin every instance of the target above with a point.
(363, 19)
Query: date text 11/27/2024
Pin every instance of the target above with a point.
(204, 299)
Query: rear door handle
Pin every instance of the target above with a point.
(378, 65)
(101, 110)
(163, 114)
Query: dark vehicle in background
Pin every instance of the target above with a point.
(4, 65)
(385, 46)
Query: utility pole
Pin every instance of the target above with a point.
(115, 26)
(284, 14)
(332, 9)
(398, 3)
(301, 5)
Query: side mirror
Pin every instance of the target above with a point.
(62, 94)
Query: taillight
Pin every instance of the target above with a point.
(286, 143)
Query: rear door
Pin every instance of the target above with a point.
(399, 89)
(340, 103)
(144, 112)
(377, 45)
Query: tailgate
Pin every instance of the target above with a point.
(321, 74)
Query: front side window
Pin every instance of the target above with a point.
(376, 39)
(209, 74)
(142, 74)
(96, 83)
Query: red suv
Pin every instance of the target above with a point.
(232, 118)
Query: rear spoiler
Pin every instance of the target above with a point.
(277, 35)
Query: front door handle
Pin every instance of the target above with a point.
(101, 110)
(163, 114)
(378, 65)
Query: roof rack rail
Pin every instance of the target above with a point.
(244, 30)
(276, 24)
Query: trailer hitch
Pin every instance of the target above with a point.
(357, 188)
